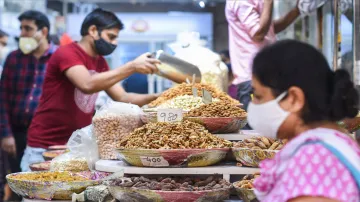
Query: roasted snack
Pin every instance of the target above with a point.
(173, 183)
(247, 181)
(181, 135)
(217, 109)
(186, 89)
(261, 143)
(185, 102)
(49, 176)
(110, 129)
(71, 165)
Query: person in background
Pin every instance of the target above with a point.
(225, 57)
(55, 39)
(4, 37)
(21, 84)
(321, 162)
(251, 28)
(75, 75)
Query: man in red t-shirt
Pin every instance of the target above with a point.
(75, 74)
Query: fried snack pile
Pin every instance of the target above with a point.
(49, 177)
(247, 181)
(217, 109)
(173, 183)
(181, 135)
(186, 89)
(261, 143)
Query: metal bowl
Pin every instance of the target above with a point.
(47, 190)
(218, 125)
(172, 157)
(141, 195)
(247, 195)
(58, 147)
(43, 166)
(252, 157)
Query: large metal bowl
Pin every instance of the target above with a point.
(247, 195)
(172, 157)
(218, 125)
(51, 154)
(47, 190)
(141, 195)
(43, 166)
(252, 157)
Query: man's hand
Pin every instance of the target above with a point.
(144, 64)
(8, 144)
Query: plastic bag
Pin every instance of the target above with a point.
(113, 122)
(306, 7)
(82, 155)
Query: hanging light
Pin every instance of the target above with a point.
(202, 4)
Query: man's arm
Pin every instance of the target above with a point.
(118, 93)
(81, 78)
(7, 139)
(286, 20)
(265, 21)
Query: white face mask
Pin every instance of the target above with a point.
(28, 44)
(267, 118)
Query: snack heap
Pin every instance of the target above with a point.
(217, 109)
(261, 143)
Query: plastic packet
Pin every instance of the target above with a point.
(82, 155)
(113, 122)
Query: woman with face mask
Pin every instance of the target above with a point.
(298, 97)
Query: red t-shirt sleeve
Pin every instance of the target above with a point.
(67, 56)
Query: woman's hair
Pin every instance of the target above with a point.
(328, 95)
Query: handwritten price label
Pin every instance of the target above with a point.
(154, 161)
(169, 115)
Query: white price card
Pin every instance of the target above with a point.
(207, 98)
(169, 115)
(158, 161)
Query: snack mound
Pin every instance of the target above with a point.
(247, 181)
(185, 102)
(49, 177)
(217, 109)
(261, 143)
(173, 183)
(186, 89)
(181, 135)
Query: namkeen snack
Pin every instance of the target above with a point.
(247, 181)
(179, 135)
(185, 102)
(49, 177)
(261, 143)
(173, 183)
(217, 109)
(186, 89)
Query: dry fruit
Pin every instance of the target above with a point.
(247, 181)
(217, 109)
(48, 177)
(186, 89)
(173, 183)
(185, 102)
(179, 135)
(261, 143)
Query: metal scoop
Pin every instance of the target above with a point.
(175, 69)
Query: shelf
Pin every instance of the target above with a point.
(223, 169)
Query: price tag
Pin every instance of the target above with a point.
(207, 98)
(154, 161)
(169, 115)
(194, 92)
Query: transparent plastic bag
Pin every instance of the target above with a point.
(113, 122)
(82, 155)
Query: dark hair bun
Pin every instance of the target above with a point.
(345, 99)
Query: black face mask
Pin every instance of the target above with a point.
(103, 47)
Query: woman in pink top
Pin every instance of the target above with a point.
(298, 97)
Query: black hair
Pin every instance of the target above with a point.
(329, 96)
(226, 53)
(3, 34)
(102, 19)
(41, 20)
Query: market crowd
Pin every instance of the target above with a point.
(49, 91)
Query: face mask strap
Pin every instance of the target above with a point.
(281, 96)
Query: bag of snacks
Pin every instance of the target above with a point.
(82, 155)
(112, 123)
